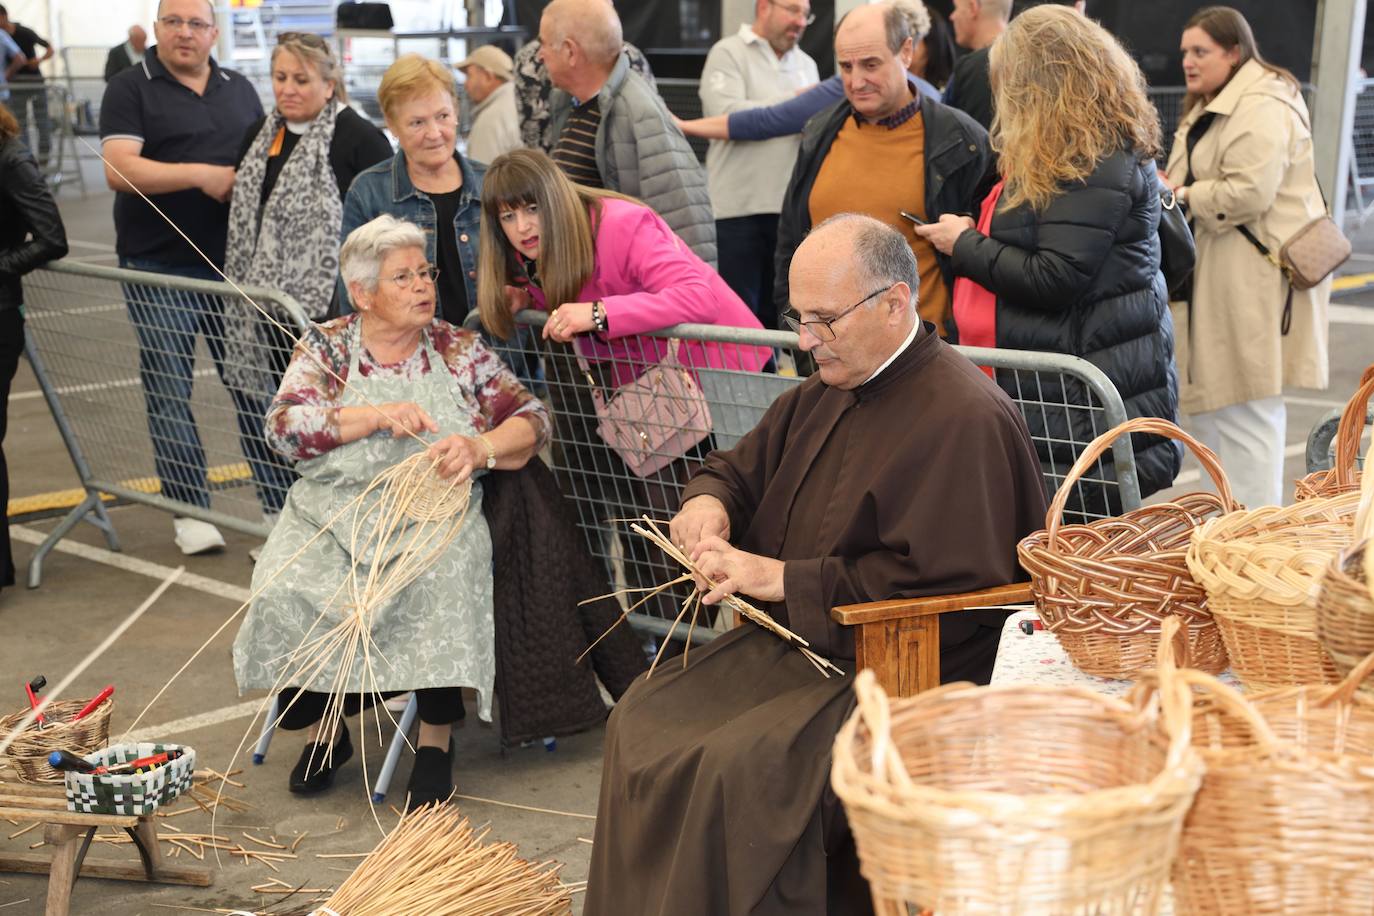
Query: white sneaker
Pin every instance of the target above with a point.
(194, 536)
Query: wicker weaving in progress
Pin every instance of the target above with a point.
(1104, 588)
(1343, 476)
(434, 863)
(1345, 605)
(1262, 570)
(1017, 799)
(1284, 822)
(28, 753)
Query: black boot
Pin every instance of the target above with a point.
(431, 778)
(314, 772)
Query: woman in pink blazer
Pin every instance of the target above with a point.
(608, 270)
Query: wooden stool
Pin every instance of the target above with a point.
(71, 834)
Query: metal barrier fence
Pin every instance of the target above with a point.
(47, 114)
(116, 355)
(1067, 402)
(1321, 441)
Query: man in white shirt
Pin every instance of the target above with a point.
(759, 65)
(495, 126)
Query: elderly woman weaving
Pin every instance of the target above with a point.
(410, 382)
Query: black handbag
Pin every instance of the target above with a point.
(1177, 251)
(364, 16)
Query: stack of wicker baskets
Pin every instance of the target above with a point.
(1104, 588)
(1262, 570)
(1017, 799)
(1284, 821)
(1342, 476)
(1345, 605)
(27, 755)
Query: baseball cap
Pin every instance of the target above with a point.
(489, 58)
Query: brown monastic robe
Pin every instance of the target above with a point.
(715, 792)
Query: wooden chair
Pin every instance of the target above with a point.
(900, 639)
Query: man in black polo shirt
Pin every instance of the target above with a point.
(171, 126)
(27, 89)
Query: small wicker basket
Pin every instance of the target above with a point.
(1015, 799)
(27, 755)
(1345, 605)
(1284, 822)
(1262, 570)
(1342, 477)
(1105, 587)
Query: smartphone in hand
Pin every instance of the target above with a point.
(913, 218)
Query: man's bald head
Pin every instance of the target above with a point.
(592, 24)
(859, 275)
(209, 12)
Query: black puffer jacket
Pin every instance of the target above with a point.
(31, 232)
(1083, 278)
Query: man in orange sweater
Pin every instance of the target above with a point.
(884, 150)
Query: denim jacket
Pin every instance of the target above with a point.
(387, 188)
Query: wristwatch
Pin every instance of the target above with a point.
(491, 452)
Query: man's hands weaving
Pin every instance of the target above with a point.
(729, 571)
(701, 517)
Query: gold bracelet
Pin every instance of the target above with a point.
(491, 451)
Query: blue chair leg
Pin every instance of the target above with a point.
(393, 753)
(268, 727)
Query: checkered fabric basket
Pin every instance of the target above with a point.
(133, 793)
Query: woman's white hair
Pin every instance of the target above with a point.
(360, 259)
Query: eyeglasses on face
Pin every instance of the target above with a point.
(823, 329)
(796, 12)
(406, 279)
(176, 24)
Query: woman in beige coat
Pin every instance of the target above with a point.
(1242, 156)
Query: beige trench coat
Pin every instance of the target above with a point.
(1253, 167)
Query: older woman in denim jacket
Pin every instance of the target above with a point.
(428, 182)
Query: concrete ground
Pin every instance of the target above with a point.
(88, 589)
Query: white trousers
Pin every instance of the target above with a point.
(1249, 438)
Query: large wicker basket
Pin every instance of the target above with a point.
(1284, 822)
(1016, 799)
(27, 755)
(1262, 569)
(1105, 587)
(1345, 604)
(1343, 477)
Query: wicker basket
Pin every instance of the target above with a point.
(1262, 569)
(1343, 475)
(27, 755)
(1284, 822)
(130, 793)
(1016, 799)
(1103, 588)
(1345, 604)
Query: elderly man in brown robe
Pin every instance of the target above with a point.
(897, 470)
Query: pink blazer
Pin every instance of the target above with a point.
(647, 279)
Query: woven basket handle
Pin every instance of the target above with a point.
(1231, 700)
(1344, 692)
(1175, 700)
(1055, 516)
(876, 713)
(1350, 429)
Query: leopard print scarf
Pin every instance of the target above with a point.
(289, 243)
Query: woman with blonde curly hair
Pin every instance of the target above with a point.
(1065, 256)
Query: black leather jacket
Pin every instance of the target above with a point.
(960, 170)
(31, 232)
(1082, 277)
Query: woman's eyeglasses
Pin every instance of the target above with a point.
(406, 278)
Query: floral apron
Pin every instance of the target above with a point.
(437, 631)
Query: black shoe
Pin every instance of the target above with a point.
(314, 772)
(431, 778)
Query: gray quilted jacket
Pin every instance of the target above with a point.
(641, 153)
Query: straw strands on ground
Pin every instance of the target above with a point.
(651, 530)
(437, 864)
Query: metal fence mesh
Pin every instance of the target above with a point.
(138, 363)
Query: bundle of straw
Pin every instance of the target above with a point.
(654, 533)
(435, 863)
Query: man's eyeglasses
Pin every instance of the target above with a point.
(406, 278)
(797, 12)
(823, 329)
(176, 24)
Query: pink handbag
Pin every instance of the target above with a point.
(652, 421)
